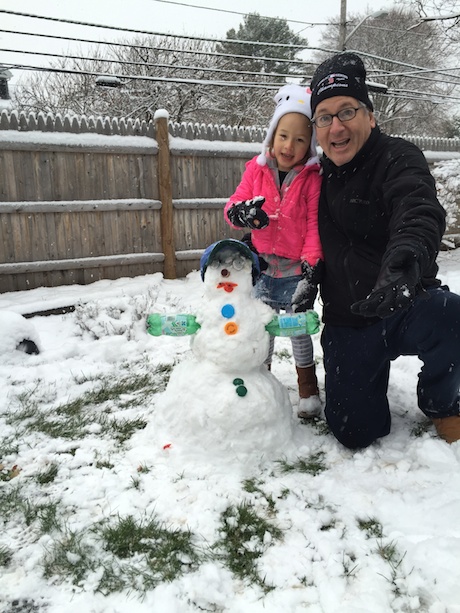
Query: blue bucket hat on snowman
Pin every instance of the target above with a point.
(236, 246)
(289, 99)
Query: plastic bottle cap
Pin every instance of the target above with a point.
(231, 328)
(228, 310)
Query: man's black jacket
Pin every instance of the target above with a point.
(383, 198)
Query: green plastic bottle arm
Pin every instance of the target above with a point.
(294, 324)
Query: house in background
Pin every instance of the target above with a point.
(5, 100)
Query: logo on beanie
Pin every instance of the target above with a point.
(332, 81)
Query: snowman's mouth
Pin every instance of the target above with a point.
(227, 286)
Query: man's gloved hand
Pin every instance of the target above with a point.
(306, 291)
(396, 287)
(248, 214)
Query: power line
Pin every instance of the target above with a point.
(148, 64)
(416, 74)
(134, 31)
(201, 39)
(396, 93)
(252, 43)
(248, 84)
(398, 63)
(157, 48)
(208, 8)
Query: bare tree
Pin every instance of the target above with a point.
(445, 14)
(408, 63)
(152, 72)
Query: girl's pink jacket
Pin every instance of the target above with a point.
(293, 229)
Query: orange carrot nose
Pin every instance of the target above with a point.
(227, 286)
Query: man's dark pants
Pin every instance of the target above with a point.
(357, 367)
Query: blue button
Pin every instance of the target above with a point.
(228, 311)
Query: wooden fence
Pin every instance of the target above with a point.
(83, 199)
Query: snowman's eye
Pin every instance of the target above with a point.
(238, 262)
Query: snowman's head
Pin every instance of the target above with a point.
(230, 253)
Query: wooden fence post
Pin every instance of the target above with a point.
(165, 194)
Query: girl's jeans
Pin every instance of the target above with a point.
(277, 292)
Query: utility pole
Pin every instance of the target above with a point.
(343, 24)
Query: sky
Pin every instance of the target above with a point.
(321, 529)
(155, 16)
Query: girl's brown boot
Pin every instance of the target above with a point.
(309, 403)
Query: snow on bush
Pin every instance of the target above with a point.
(123, 316)
(447, 176)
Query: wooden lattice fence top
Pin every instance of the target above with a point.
(47, 122)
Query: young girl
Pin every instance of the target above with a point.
(277, 199)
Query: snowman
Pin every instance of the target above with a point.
(222, 400)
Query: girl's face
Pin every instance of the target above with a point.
(291, 142)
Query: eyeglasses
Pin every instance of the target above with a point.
(235, 260)
(323, 121)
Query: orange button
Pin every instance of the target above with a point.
(231, 328)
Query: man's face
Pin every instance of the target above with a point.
(341, 141)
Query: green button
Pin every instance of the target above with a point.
(241, 390)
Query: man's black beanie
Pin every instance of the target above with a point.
(341, 75)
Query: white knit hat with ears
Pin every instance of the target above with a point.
(290, 99)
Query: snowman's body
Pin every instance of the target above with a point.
(223, 399)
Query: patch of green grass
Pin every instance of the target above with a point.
(139, 555)
(113, 390)
(9, 447)
(104, 464)
(318, 424)
(244, 540)
(283, 354)
(45, 514)
(10, 500)
(313, 465)
(330, 525)
(388, 552)
(6, 556)
(160, 554)
(251, 486)
(371, 526)
(136, 483)
(163, 371)
(14, 504)
(48, 475)
(349, 565)
(70, 420)
(421, 428)
(70, 558)
(123, 429)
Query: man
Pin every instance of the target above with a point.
(380, 225)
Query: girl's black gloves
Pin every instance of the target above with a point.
(306, 291)
(248, 214)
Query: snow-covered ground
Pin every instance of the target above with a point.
(323, 529)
